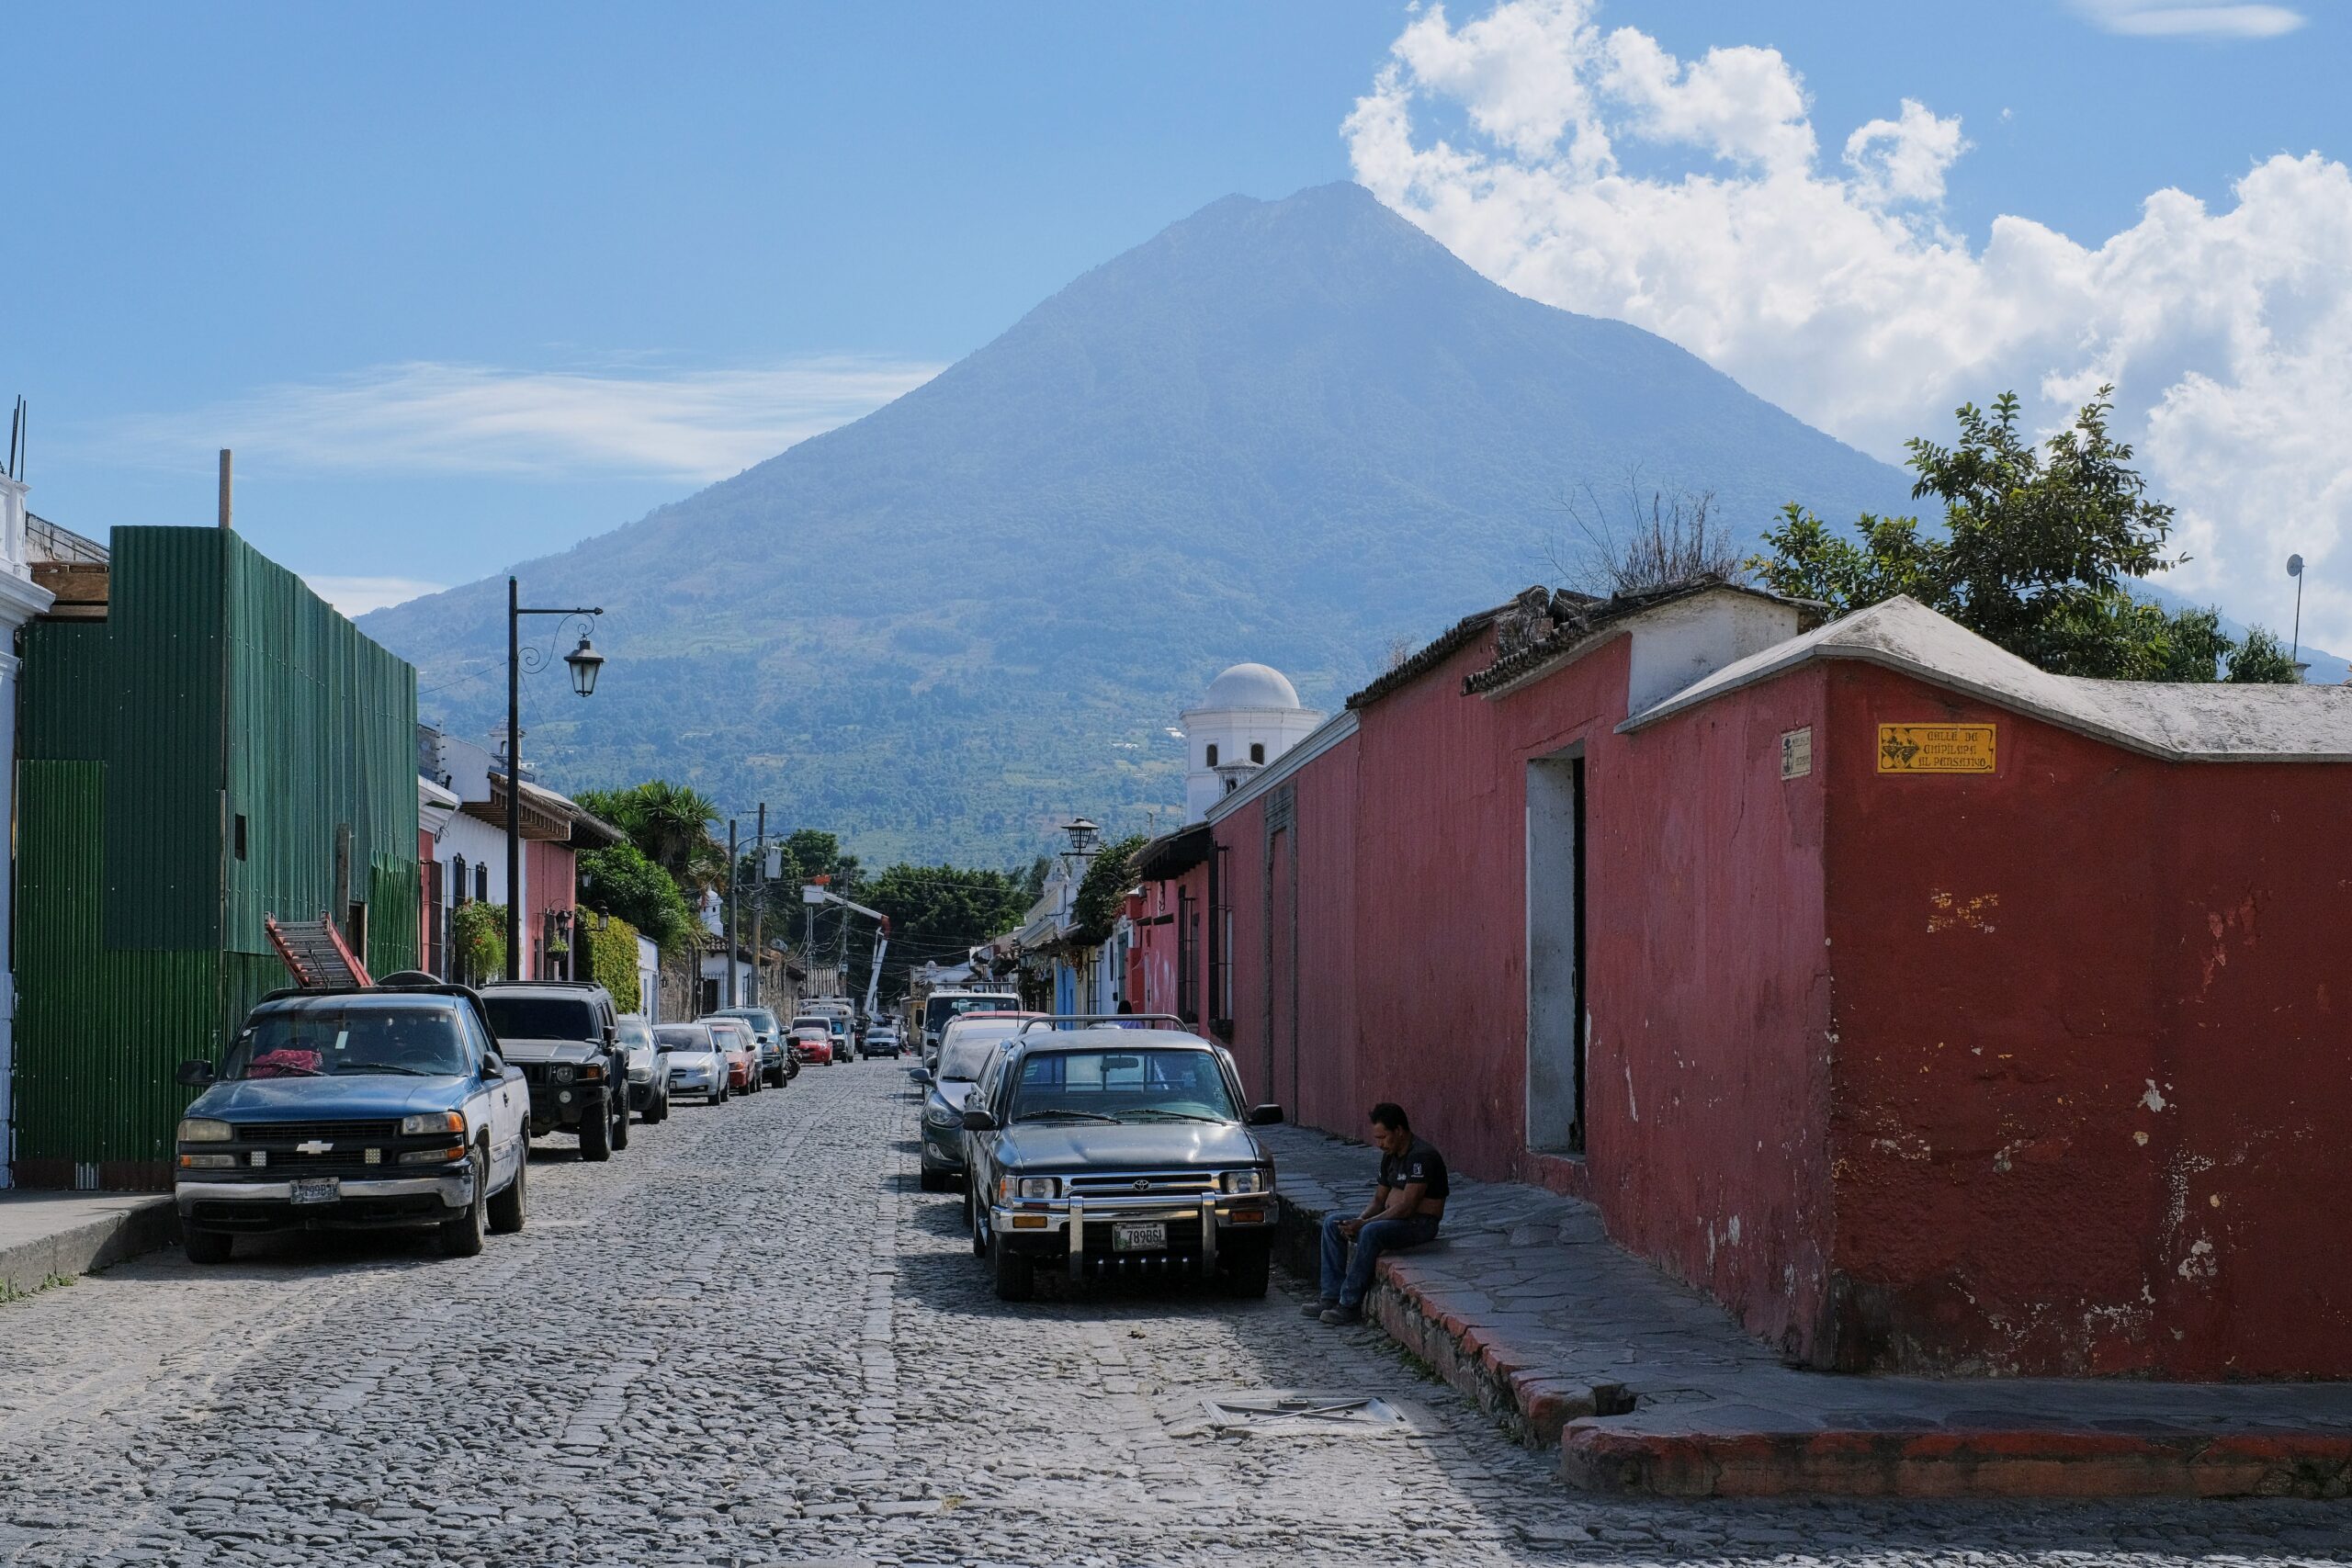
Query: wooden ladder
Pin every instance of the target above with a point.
(316, 953)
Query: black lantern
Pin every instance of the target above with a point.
(1082, 835)
(585, 661)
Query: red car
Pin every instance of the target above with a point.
(743, 1050)
(811, 1040)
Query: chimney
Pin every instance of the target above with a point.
(224, 487)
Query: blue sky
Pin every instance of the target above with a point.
(467, 284)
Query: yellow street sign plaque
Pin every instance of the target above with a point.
(1934, 748)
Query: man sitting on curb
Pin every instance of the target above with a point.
(1404, 1212)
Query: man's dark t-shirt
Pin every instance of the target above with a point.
(1420, 1162)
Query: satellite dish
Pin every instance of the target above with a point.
(2294, 565)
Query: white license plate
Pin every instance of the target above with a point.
(317, 1190)
(1139, 1237)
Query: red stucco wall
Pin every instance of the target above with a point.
(2094, 1063)
(548, 882)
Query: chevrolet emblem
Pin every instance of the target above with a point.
(316, 1147)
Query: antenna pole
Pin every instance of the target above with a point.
(2296, 655)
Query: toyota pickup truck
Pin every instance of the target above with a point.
(1096, 1147)
(353, 1108)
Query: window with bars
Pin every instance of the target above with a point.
(1188, 956)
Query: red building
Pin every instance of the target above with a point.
(1934, 1012)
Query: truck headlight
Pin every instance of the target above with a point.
(1243, 1182)
(204, 1130)
(432, 1122)
(1031, 1186)
(560, 1074)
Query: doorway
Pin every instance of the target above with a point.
(1557, 1019)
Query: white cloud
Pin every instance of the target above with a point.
(467, 419)
(355, 596)
(2185, 18)
(1839, 292)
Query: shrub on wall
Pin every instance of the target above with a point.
(612, 959)
(477, 940)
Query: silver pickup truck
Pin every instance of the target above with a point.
(1098, 1147)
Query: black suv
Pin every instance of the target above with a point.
(565, 1035)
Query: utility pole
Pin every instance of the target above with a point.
(731, 999)
(759, 899)
(808, 935)
(840, 964)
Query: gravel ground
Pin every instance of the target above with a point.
(751, 1339)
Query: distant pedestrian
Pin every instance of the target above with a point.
(1404, 1212)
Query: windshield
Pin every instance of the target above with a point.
(542, 1018)
(324, 1039)
(968, 1050)
(937, 1010)
(682, 1037)
(636, 1034)
(1124, 1086)
(760, 1019)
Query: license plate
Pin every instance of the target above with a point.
(1139, 1237)
(317, 1190)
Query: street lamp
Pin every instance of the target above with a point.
(1082, 835)
(585, 661)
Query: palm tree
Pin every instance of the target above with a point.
(671, 824)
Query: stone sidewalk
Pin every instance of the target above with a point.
(47, 1236)
(1648, 1387)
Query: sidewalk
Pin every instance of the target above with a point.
(1648, 1387)
(46, 1235)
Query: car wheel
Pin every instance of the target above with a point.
(1247, 1266)
(596, 1138)
(972, 1222)
(461, 1237)
(620, 1123)
(934, 1180)
(1016, 1277)
(508, 1208)
(207, 1246)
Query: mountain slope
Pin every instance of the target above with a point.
(1280, 430)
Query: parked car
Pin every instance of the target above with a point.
(881, 1040)
(354, 1108)
(775, 1062)
(648, 1080)
(812, 1041)
(694, 1062)
(837, 1025)
(565, 1035)
(1104, 1149)
(966, 1046)
(742, 1054)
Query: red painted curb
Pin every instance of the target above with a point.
(1956, 1464)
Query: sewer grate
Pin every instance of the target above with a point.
(1287, 1413)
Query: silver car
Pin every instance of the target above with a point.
(696, 1063)
(648, 1073)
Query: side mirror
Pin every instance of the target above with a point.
(1265, 1115)
(920, 1074)
(492, 1065)
(195, 1073)
(979, 1121)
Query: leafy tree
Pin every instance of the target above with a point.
(939, 911)
(612, 960)
(1107, 881)
(671, 825)
(477, 939)
(2035, 555)
(2260, 658)
(621, 882)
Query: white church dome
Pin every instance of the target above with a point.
(1250, 686)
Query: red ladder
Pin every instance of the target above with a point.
(316, 953)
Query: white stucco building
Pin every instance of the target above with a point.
(1249, 716)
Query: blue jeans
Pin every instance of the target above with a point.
(1345, 1279)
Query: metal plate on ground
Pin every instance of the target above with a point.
(1296, 1413)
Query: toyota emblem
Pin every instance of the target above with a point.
(1143, 1184)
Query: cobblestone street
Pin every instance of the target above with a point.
(751, 1339)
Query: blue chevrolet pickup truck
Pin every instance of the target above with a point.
(382, 1106)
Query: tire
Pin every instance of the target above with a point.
(508, 1208)
(620, 1123)
(972, 1222)
(207, 1248)
(596, 1138)
(1016, 1277)
(934, 1180)
(461, 1237)
(1247, 1266)
(658, 1110)
(720, 1098)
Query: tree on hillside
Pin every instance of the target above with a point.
(2035, 555)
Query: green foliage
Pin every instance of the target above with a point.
(1107, 881)
(621, 882)
(2260, 658)
(938, 911)
(612, 960)
(670, 824)
(2035, 555)
(477, 940)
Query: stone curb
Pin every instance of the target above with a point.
(87, 1248)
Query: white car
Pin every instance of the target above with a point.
(696, 1064)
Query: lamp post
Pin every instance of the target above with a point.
(585, 662)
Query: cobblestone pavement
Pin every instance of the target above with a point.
(751, 1339)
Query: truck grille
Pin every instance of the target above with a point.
(271, 1134)
(1143, 1184)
